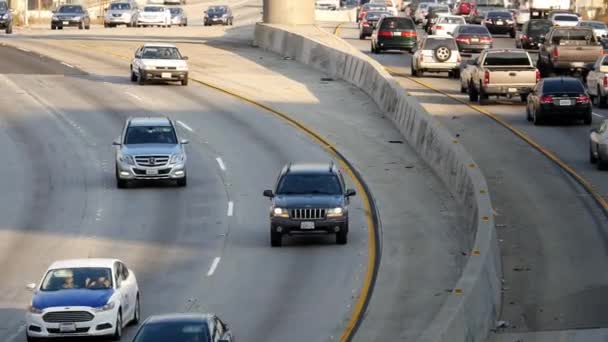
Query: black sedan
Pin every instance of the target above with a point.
(368, 24)
(500, 22)
(531, 32)
(6, 18)
(70, 15)
(472, 38)
(183, 328)
(559, 97)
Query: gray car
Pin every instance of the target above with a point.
(178, 16)
(149, 149)
(598, 146)
(121, 13)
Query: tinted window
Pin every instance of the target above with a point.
(3, 7)
(562, 86)
(301, 184)
(397, 24)
(565, 18)
(595, 25)
(154, 9)
(539, 25)
(173, 331)
(452, 20)
(433, 43)
(375, 15)
(565, 37)
(70, 9)
(476, 29)
(217, 10)
(150, 135)
(120, 6)
(175, 10)
(505, 15)
(507, 58)
(160, 52)
(94, 278)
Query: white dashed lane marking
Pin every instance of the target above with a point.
(230, 208)
(134, 96)
(220, 162)
(213, 267)
(185, 126)
(68, 65)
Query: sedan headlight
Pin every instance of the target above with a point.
(34, 310)
(127, 159)
(280, 212)
(5, 16)
(335, 212)
(177, 158)
(106, 307)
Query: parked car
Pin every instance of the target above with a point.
(564, 19)
(446, 24)
(531, 33)
(159, 62)
(568, 50)
(500, 22)
(154, 15)
(394, 33)
(598, 146)
(6, 18)
(463, 7)
(599, 27)
(502, 72)
(70, 15)
(218, 15)
(597, 82)
(522, 16)
(178, 16)
(472, 38)
(559, 97)
(186, 327)
(436, 54)
(367, 26)
(121, 13)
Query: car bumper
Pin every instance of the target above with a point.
(530, 45)
(4, 23)
(294, 227)
(164, 75)
(63, 23)
(507, 90)
(130, 172)
(434, 66)
(154, 21)
(117, 20)
(216, 20)
(500, 29)
(472, 47)
(396, 45)
(102, 324)
(176, 21)
(570, 65)
(565, 112)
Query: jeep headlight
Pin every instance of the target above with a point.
(280, 212)
(335, 212)
(177, 158)
(106, 307)
(127, 159)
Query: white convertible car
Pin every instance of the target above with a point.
(83, 297)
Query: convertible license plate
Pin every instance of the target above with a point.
(307, 225)
(512, 90)
(66, 23)
(165, 75)
(565, 102)
(151, 172)
(67, 327)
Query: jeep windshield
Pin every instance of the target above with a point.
(306, 184)
(150, 135)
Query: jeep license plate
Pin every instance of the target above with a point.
(307, 225)
(67, 327)
(152, 172)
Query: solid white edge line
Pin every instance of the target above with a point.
(213, 267)
(185, 126)
(68, 65)
(221, 163)
(134, 96)
(230, 208)
(596, 114)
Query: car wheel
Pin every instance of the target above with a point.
(592, 157)
(88, 27)
(182, 182)
(118, 332)
(53, 27)
(442, 53)
(60, 27)
(9, 29)
(276, 239)
(463, 88)
(81, 26)
(413, 72)
(185, 81)
(483, 97)
(528, 116)
(129, 25)
(140, 78)
(133, 77)
(588, 119)
(536, 118)
(137, 312)
(121, 183)
(601, 100)
(105, 25)
(473, 93)
(29, 338)
(342, 237)
(512, 34)
(186, 23)
(601, 165)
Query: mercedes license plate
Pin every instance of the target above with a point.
(565, 102)
(66, 23)
(165, 75)
(307, 225)
(67, 327)
(152, 172)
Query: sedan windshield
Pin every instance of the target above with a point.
(175, 10)
(217, 10)
(150, 135)
(160, 52)
(154, 9)
(173, 331)
(70, 9)
(302, 184)
(93, 278)
(120, 6)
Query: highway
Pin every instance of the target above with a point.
(552, 234)
(206, 247)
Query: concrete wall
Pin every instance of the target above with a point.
(472, 309)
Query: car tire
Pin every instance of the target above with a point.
(537, 118)
(105, 25)
(121, 183)
(528, 116)
(592, 157)
(185, 81)
(413, 72)
(276, 239)
(483, 97)
(182, 182)
(361, 36)
(60, 27)
(141, 80)
(133, 77)
(601, 165)
(186, 23)
(512, 34)
(88, 27)
(473, 93)
(9, 29)
(136, 312)
(342, 237)
(118, 332)
(81, 26)
(601, 100)
(442, 53)
(129, 25)
(53, 27)
(588, 119)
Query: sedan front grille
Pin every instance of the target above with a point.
(151, 161)
(68, 317)
(308, 214)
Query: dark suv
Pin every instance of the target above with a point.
(309, 199)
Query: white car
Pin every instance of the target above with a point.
(564, 19)
(83, 297)
(446, 23)
(599, 28)
(159, 62)
(152, 15)
(522, 16)
(436, 54)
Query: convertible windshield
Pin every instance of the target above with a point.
(70, 9)
(301, 184)
(93, 278)
(161, 53)
(150, 135)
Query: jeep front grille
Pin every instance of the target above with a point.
(308, 214)
(151, 161)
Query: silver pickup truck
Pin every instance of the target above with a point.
(597, 82)
(502, 72)
(567, 50)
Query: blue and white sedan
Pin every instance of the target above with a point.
(83, 297)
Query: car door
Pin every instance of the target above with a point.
(129, 284)
(592, 77)
(123, 293)
(136, 64)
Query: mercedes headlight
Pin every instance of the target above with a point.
(177, 158)
(280, 212)
(106, 307)
(34, 310)
(127, 159)
(335, 212)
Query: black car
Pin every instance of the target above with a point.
(559, 97)
(531, 32)
(500, 22)
(394, 33)
(218, 15)
(70, 15)
(309, 199)
(184, 327)
(6, 18)
(367, 26)
(472, 38)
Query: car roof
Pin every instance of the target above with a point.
(89, 262)
(150, 121)
(310, 168)
(159, 45)
(179, 317)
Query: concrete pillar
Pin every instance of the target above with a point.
(289, 12)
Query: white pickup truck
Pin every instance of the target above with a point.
(502, 72)
(597, 82)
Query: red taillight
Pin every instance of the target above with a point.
(601, 52)
(385, 34)
(555, 53)
(605, 81)
(486, 40)
(486, 77)
(463, 39)
(537, 75)
(365, 23)
(584, 99)
(408, 34)
(546, 99)
(476, 12)
(438, 27)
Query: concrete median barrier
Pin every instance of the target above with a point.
(471, 310)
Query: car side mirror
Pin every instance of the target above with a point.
(268, 193)
(184, 142)
(185, 58)
(350, 193)
(116, 143)
(31, 286)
